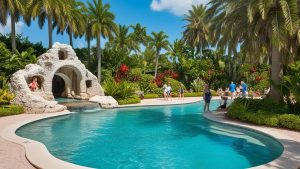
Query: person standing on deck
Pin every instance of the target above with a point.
(232, 87)
(244, 89)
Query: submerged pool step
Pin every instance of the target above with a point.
(80, 106)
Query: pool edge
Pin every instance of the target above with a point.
(285, 160)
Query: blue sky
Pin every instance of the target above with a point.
(155, 15)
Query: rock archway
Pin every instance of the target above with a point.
(59, 73)
(67, 82)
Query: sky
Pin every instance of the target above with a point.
(155, 15)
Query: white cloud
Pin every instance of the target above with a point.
(176, 7)
(7, 28)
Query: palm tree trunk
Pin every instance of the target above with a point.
(50, 31)
(71, 38)
(276, 67)
(156, 64)
(99, 57)
(13, 33)
(89, 51)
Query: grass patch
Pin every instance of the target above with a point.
(152, 96)
(130, 100)
(8, 110)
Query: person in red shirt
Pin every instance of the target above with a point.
(34, 84)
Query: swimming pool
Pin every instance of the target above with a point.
(151, 137)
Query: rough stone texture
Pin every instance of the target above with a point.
(105, 101)
(61, 61)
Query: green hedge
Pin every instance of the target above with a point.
(152, 96)
(130, 100)
(8, 110)
(246, 112)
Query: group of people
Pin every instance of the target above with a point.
(167, 91)
(240, 90)
(233, 90)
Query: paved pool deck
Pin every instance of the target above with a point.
(20, 153)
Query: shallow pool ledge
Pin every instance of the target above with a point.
(289, 159)
(37, 153)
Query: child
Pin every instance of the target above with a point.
(34, 84)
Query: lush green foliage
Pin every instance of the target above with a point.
(198, 85)
(291, 81)
(151, 96)
(129, 100)
(11, 63)
(122, 90)
(5, 96)
(146, 83)
(263, 112)
(23, 44)
(8, 110)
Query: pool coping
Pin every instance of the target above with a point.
(39, 156)
(290, 157)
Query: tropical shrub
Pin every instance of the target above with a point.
(290, 121)
(130, 100)
(198, 85)
(135, 74)
(291, 87)
(254, 111)
(122, 73)
(10, 63)
(146, 83)
(7, 110)
(5, 96)
(120, 90)
(106, 74)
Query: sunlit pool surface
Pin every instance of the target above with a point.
(171, 137)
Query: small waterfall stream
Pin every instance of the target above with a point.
(76, 105)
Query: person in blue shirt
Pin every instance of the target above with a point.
(244, 89)
(232, 87)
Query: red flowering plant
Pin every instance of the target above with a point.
(121, 73)
(161, 76)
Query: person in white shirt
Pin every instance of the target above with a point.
(169, 91)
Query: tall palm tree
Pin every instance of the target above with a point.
(88, 37)
(14, 8)
(139, 34)
(50, 10)
(158, 41)
(264, 23)
(196, 32)
(73, 21)
(102, 24)
(123, 40)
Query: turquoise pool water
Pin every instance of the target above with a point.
(171, 137)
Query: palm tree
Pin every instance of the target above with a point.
(73, 21)
(139, 34)
(267, 23)
(102, 24)
(158, 41)
(88, 38)
(196, 33)
(14, 8)
(123, 40)
(50, 10)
